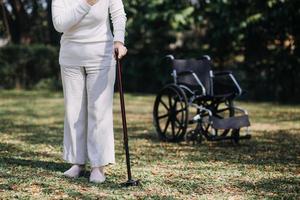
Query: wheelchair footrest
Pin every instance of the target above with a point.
(219, 138)
(231, 122)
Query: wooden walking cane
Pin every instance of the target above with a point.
(130, 181)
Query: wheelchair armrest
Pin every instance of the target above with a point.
(222, 73)
(229, 73)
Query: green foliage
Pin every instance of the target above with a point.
(48, 84)
(259, 40)
(23, 66)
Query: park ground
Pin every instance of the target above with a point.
(31, 167)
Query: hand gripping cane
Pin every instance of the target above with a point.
(130, 181)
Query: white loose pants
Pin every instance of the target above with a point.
(88, 122)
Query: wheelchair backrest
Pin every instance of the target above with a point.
(202, 68)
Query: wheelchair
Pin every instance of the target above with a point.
(199, 104)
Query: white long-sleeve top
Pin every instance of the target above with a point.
(87, 39)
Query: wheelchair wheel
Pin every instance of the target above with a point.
(170, 113)
(194, 137)
(218, 110)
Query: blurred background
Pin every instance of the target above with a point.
(258, 40)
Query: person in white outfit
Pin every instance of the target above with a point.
(87, 65)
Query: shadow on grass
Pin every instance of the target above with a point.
(269, 147)
(47, 165)
(276, 147)
(54, 167)
(34, 134)
(13, 150)
(280, 147)
(281, 188)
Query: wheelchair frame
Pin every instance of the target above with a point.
(205, 111)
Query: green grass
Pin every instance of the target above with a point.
(31, 133)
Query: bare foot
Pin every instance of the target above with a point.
(97, 175)
(74, 171)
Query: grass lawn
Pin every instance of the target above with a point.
(31, 167)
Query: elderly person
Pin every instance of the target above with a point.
(87, 65)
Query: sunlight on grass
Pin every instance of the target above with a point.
(31, 167)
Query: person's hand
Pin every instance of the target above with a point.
(120, 48)
(92, 2)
